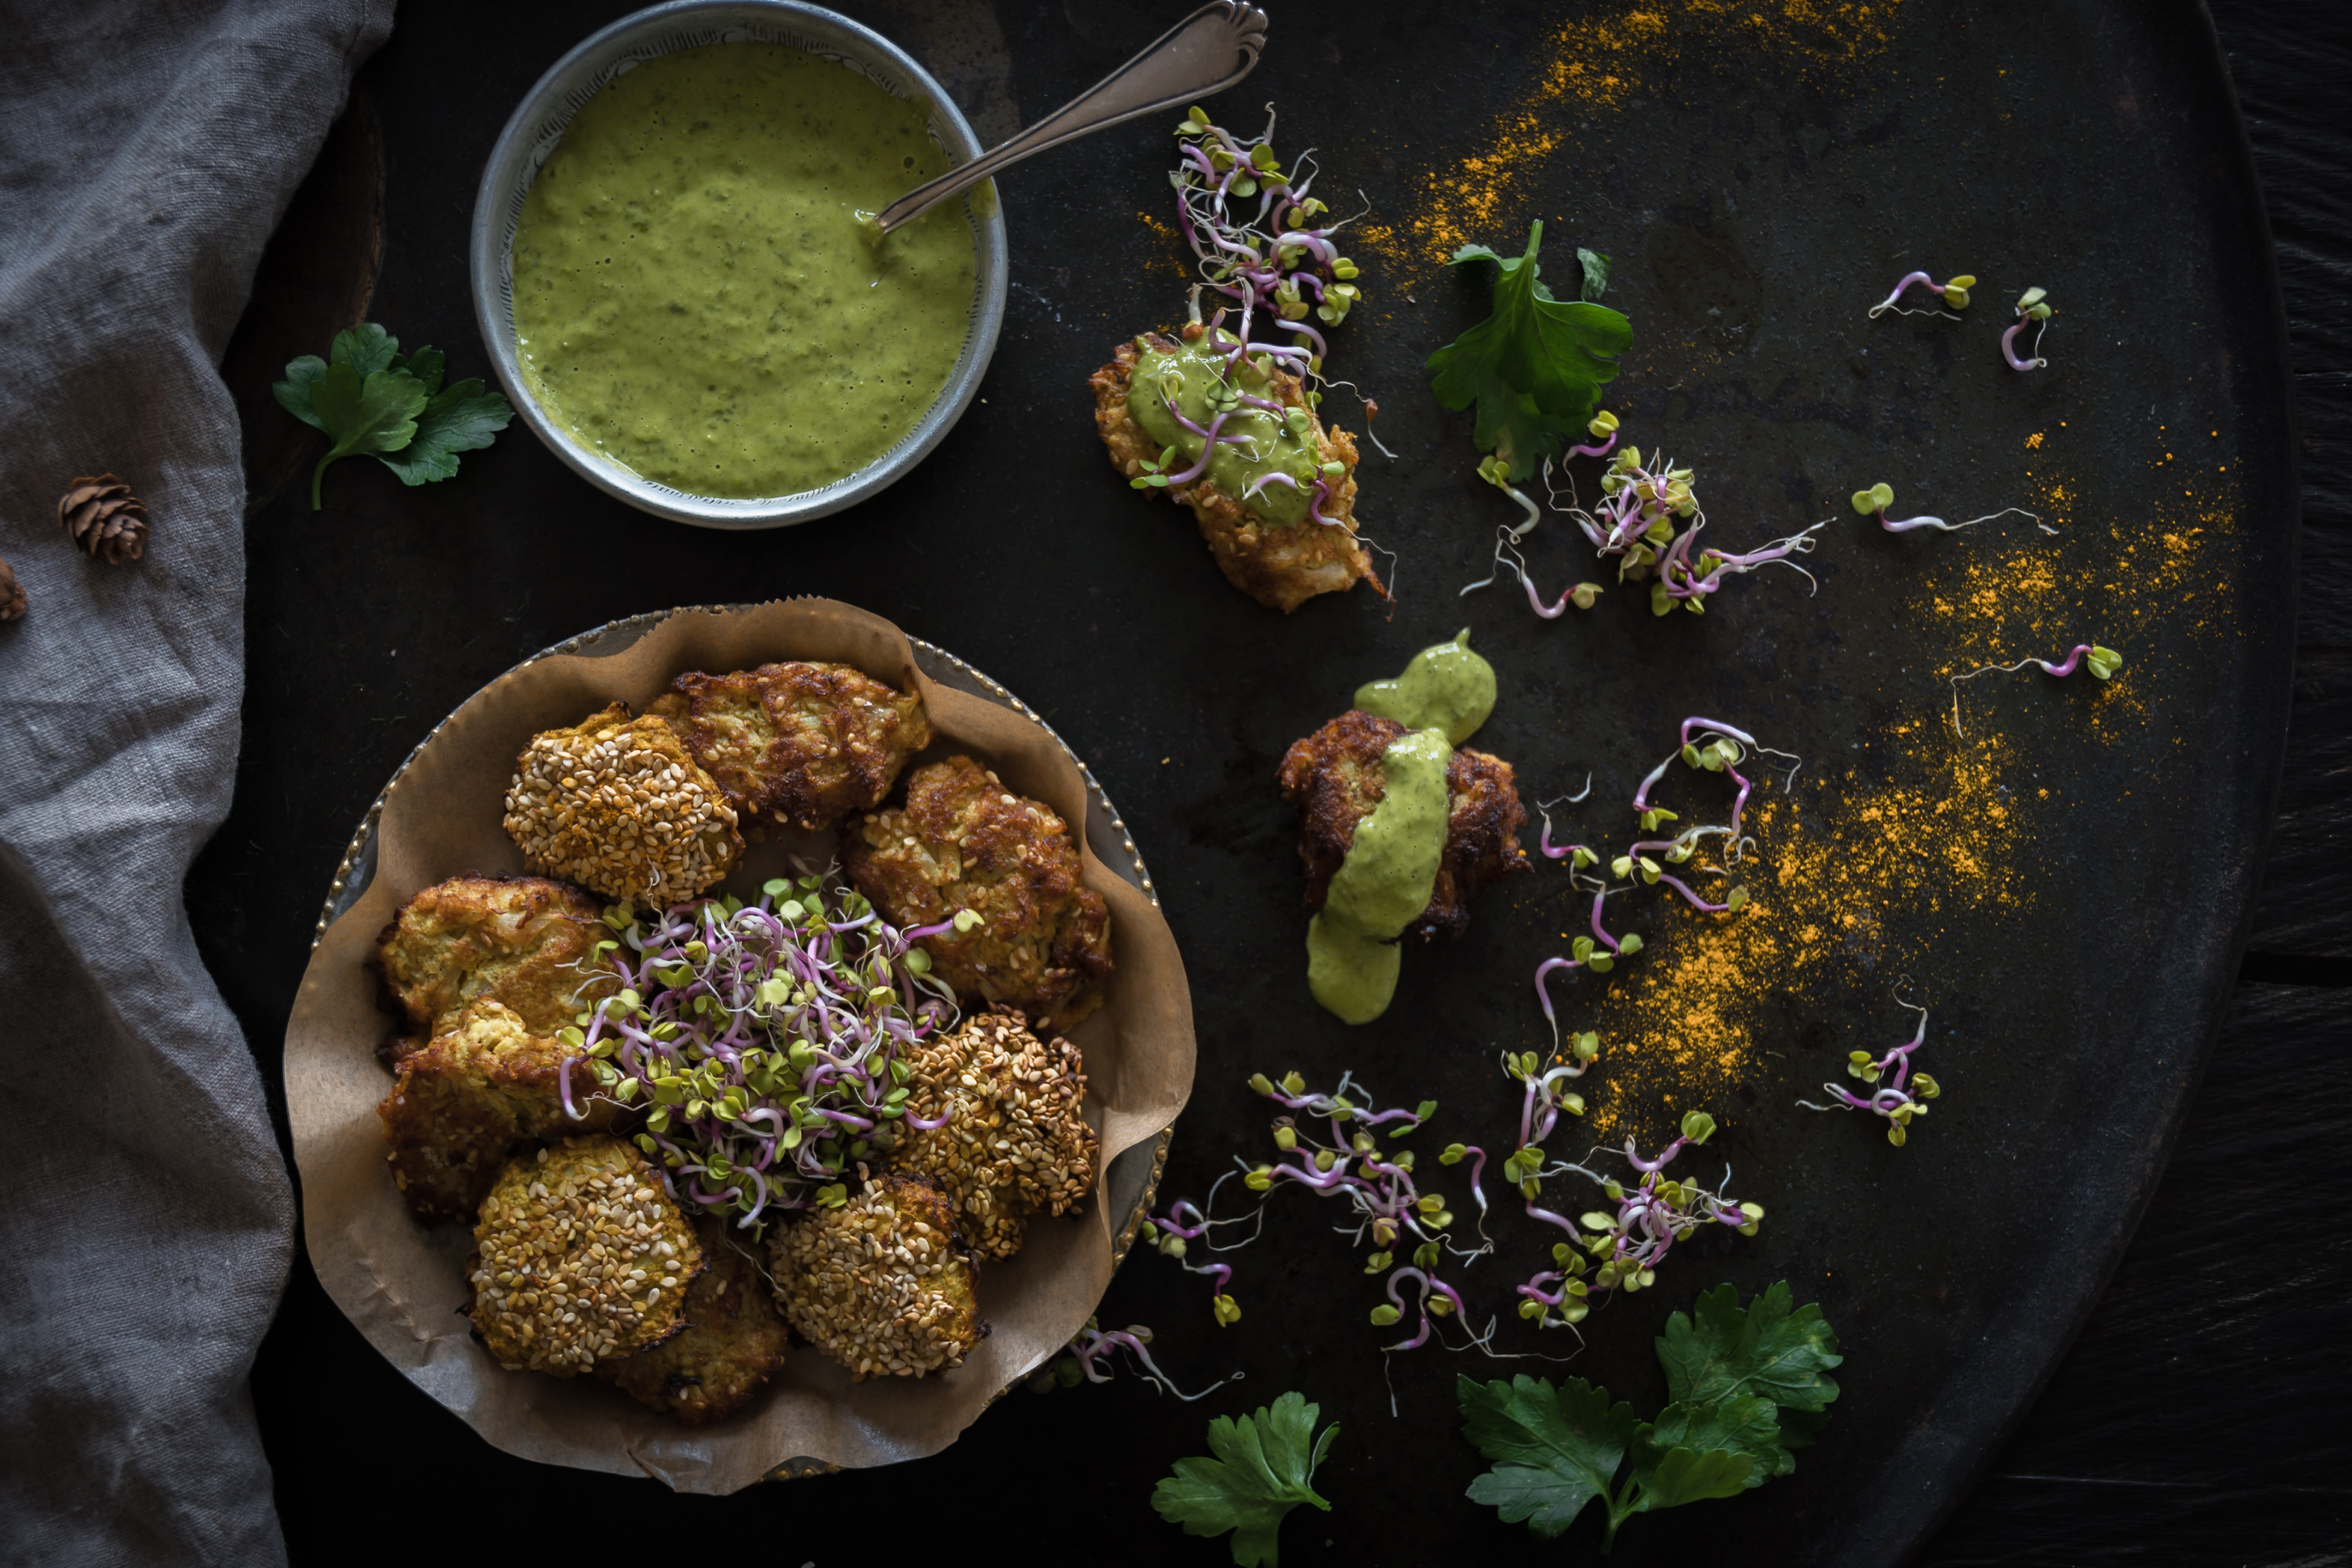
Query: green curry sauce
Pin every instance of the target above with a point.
(1352, 957)
(1188, 382)
(693, 295)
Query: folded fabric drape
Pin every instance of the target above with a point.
(146, 151)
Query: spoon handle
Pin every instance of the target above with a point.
(1207, 52)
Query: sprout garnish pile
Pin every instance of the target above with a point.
(1390, 1209)
(1631, 1243)
(1648, 519)
(1708, 745)
(766, 1037)
(1274, 257)
(1899, 1100)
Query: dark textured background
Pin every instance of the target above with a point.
(2179, 1429)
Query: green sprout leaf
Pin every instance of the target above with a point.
(1534, 368)
(1264, 1468)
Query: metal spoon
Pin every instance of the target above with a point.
(1207, 52)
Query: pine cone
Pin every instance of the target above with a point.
(12, 594)
(104, 518)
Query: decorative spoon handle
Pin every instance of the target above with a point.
(1207, 52)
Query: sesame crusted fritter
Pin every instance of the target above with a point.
(465, 1101)
(801, 744)
(879, 1284)
(526, 942)
(1337, 775)
(616, 803)
(580, 1256)
(1280, 565)
(1014, 1144)
(733, 1340)
(964, 841)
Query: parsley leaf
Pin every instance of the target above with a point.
(1727, 1430)
(1721, 1352)
(370, 400)
(1555, 1450)
(1596, 274)
(1261, 1470)
(1535, 367)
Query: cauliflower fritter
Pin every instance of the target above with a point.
(580, 1256)
(801, 745)
(963, 841)
(526, 942)
(616, 804)
(1281, 565)
(733, 1340)
(465, 1101)
(879, 1284)
(1336, 776)
(1015, 1142)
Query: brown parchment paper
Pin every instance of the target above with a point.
(403, 1285)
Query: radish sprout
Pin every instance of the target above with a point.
(1874, 503)
(1083, 1359)
(2102, 662)
(1898, 1101)
(2033, 309)
(1954, 293)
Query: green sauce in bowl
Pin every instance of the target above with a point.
(695, 296)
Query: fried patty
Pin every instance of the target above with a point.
(580, 1256)
(1337, 775)
(1016, 1142)
(801, 744)
(617, 804)
(732, 1342)
(471, 1097)
(528, 943)
(1281, 565)
(879, 1284)
(963, 841)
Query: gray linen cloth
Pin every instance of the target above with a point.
(146, 151)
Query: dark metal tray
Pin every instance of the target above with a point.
(1759, 184)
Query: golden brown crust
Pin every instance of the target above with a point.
(879, 1284)
(731, 1343)
(1280, 565)
(616, 804)
(580, 1256)
(1336, 776)
(964, 841)
(466, 1101)
(1016, 1142)
(526, 942)
(799, 745)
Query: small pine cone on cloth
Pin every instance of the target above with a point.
(12, 594)
(104, 518)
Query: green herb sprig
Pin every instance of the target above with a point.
(1264, 1467)
(1746, 1386)
(370, 399)
(1536, 366)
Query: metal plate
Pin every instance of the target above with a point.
(1760, 176)
(1134, 1174)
